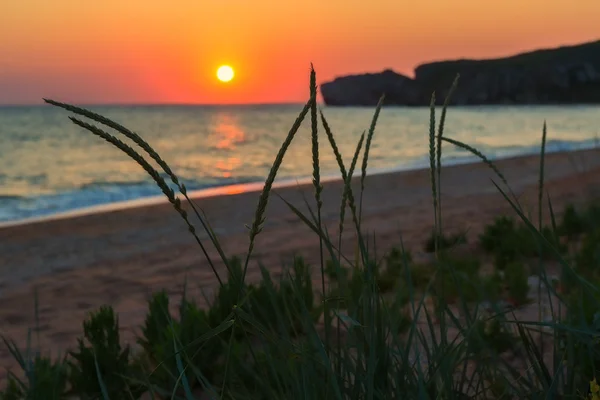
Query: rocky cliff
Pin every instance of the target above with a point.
(564, 75)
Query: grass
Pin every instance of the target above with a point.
(375, 327)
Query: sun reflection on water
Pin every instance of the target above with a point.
(226, 136)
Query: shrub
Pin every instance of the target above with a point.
(516, 278)
(578, 344)
(457, 279)
(495, 234)
(489, 334)
(421, 275)
(508, 242)
(397, 258)
(45, 379)
(396, 263)
(352, 289)
(591, 217)
(503, 240)
(100, 364)
(227, 296)
(572, 225)
(283, 307)
(587, 259)
(204, 358)
(444, 242)
(554, 241)
(163, 337)
(395, 267)
(334, 271)
(492, 287)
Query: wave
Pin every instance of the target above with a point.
(99, 193)
(11, 197)
(191, 184)
(453, 155)
(104, 192)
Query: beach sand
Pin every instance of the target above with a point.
(78, 264)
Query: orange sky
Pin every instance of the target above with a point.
(144, 51)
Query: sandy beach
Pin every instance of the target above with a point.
(78, 264)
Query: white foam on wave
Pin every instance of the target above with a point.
(228, 190)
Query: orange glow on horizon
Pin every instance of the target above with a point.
(150, 52)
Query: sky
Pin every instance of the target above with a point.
(147, 51)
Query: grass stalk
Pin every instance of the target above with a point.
(439, 151)
(366, 153)
(318, 187)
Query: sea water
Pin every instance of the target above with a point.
(50, 166)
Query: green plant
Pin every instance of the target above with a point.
(508, 242)
(591, 217)
(100, 366)
(42, 377)
(281, 307)
(444, 242)
(489, 334)
(396, 263)
(168, 341)
(495, 234)
(45, 379)
(421, 275)
(228, 294)
(386, 282)
(334, 271)
(517, 284)
(572, 225)
(588, 258)
(492, 286)
(156, 340)
(457, 279)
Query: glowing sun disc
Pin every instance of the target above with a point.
(225, 73)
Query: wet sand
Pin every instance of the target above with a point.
(78, 264)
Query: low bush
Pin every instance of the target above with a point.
(572, 224)
(44, 377)
(444, 242)
(508, 242)
(517, 284)
(101, 366)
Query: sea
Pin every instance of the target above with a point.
(49, 166)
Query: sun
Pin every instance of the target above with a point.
(225, 73)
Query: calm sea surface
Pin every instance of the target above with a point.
(48, 165)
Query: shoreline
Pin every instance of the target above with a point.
(253, 187)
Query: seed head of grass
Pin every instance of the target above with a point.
(126, 132)
(165, 167)
(432, 156)
(263, 200)
(158, 179)
(315, 138)
(334, 147)
(348, 195)
(439, 149)
(161, 183)
(480, 155)
(366, 153)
